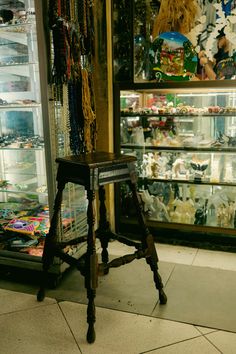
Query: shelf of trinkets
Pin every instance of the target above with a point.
(183, 111)
(183, 204)
(25, 104)
(20, 27)
(13, 141)
(185, 165)
(22, 188)
(174, 132)
(190, 204)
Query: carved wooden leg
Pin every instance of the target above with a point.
(152, 260)
(91, 269)
(50, 241)
(103, 224)
(148, 242)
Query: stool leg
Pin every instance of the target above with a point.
(148, 243)
(152, 260)
(50, 241)
(91, 269)
(103, 225)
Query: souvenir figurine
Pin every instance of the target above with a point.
(200, 216)
(183, 212)
(146, 165)
(137, 136)
(175, 188)
(222, 66)
(220, 140)
(225, 215)
(199, 168)
(231, 140)
(178, 168)
(124, 135)
(160, 211)
(147, 200)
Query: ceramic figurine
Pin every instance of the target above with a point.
(177, 167)
(147, 201)
(199, 167)
(200, 216)
(137, 136)
(160, 211)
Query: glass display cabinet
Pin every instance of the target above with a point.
(174, 108)
(29, 144)
(184, 138)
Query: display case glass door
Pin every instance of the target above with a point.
(184, 141)
(31, 138)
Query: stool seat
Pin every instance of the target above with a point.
(93, 171)
(97, 168)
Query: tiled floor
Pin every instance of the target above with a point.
(59, 326)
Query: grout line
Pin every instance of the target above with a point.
(212, 330)
(27, 309)
(170, 274)
(205, 336)
(195, 256)
(170, 345)
(72, 333)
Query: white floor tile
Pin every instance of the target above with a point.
(119, 249)
(193, 346)
(224, 341)
(121, 332)
(41, 330)
(176, 254)
(215, 259)
(15, 301)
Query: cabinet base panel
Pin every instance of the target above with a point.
(189, 238)
(22, 268)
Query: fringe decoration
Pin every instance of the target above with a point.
(175, 15)
(89, 114)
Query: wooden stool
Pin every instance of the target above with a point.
(93, 171)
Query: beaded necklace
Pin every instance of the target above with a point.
(72, 29)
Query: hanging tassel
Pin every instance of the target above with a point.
(89, 114)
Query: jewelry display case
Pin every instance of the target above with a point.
(30, 140)
(184, 138)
